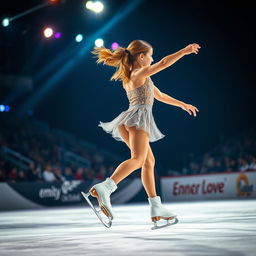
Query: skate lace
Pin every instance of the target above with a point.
(110, 189)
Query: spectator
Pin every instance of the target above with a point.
(68, 173)
(101, 175)
(242, 164)
(58, 174)
(194, 167)
(48, 174)
(32, 172)
(21, 176)
(90, 174)
(79, 174)
(12, 175)
(252, 165)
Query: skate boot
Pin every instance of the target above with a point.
(102, 192)
(158, 212)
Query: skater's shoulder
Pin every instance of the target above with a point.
(136, 81)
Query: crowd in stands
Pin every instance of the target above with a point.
(42, 147)
(236, 154)
(50, 173)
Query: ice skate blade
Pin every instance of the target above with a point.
(106, 224)
(166, 225)
(94, 193)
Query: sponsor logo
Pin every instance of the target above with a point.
(198, 188)
(243, 187)
(63, 193)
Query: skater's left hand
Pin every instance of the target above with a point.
(189, 108)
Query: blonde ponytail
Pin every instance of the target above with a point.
(121, 58)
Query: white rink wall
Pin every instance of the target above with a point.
(240, 185)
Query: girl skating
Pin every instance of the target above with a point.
(136, 126)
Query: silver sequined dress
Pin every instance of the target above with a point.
(139, 113)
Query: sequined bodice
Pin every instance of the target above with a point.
(143, 94)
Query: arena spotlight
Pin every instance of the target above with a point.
(7, 108)
(79, 38)
(5, 22)
(114, 45)
(48, 32)
(96, 6)
(57, 35)
(99, 42)
(89, 5)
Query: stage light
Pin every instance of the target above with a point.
(114, 45)
(57, 35)
(48, 32)
(96, 6)
(2, 108)
(5, 22)
(89, 5)
(7, 108)
(79, 38)
(99, 42)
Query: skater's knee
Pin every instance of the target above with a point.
(149, 163)
(139, 161)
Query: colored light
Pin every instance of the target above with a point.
(5, 22)
(79, 38)
(99, 42)
(57, 35)
(2, 107)
(7, 108)
(48, 32)
(98, 6)
(114, 46)
(89, 5)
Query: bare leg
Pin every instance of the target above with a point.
(147, 174)
(124, 169)
(138, 141)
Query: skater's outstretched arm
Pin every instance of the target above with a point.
(163, 97)
(167, 61)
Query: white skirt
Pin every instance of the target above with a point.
(140, 116)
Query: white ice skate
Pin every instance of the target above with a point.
(102, 192)
(158, 212)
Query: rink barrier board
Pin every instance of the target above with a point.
(32, 195)
(214, 186)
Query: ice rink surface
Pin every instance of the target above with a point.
(205, 228)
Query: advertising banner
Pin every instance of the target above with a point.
(30, 195)
(209, 186)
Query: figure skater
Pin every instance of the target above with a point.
(136, 126)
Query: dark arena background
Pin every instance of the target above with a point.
(53, 95)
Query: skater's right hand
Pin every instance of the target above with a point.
(189, 108)
(191, 48)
